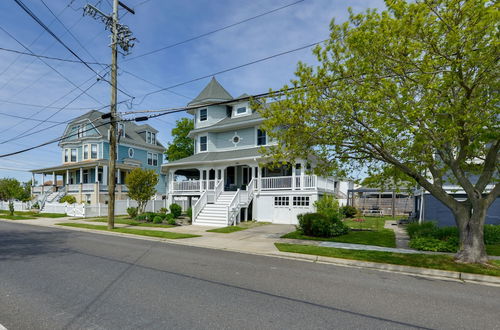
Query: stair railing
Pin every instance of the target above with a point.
(219, 188)
(199, 205)
(233, 209)
(250, 190)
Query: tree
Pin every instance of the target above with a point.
(414, 87)
(182, 146)
(141, 184)
(10, 189)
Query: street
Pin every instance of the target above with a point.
(63, 279)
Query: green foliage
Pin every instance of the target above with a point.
(132, 212)
(492, 234)
(11, 208)
(157, 219)
(68, 199)
(433, 244)
(169, 217)
(176, 210)
(35, 206)
(182, 146)
(319, 225)
(163, 210)
(171, 221)
(328, 206)
(189, 213)
(141, 184)
(348, 211)
(10, 189)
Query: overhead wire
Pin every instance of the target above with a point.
(46, 57)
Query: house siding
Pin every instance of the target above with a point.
(223, 140)
(214, 115)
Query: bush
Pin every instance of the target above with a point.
(132, 212)
(328, 206)
(146, 216)
(492, 234)
(35, 206)
(319, 225)
(433, 244)
(348, 211)
(157, 219)
(163, 210)
(68, 199)
(171, 222)
(176, 210)
(426, 229)
(189, 213)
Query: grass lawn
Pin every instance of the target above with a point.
(28, 215)
(373, 223)
(131, 222)
(493, 249)
(15, 217)
(383, 237)
(443, 262)
(151, 233)
(242, 226)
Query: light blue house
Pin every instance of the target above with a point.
(85, 160)
(227, 180)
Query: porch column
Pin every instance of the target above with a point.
(260, 177)
(294, 168)
(118, 177)
(54, 182)
(302, 170)
(81, 175)
(32, 179)
(67, 177)
(97, 173)
(201, 179)
(105, 175)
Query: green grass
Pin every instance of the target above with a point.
(373, 223)
(132, 222)
(15, 217)
(493, 249)
(242, 226)
(27, 215)
(443, 262)
(384, 237)
(150, 233)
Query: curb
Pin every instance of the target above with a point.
(406, 270)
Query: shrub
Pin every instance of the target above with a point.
(169, 217)
(348, 211)
(492, 234)
(132, 212)
(68, 199)
(146, 216)
(189, 213)
(35, 206)
(328, 206)
(319, 225)
(176, 210)
(433, 244)
(426, 229)
(157, 219)
(163, 210)
(171, 221)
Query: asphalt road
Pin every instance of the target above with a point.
(63, 279)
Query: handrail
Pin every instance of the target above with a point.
(199, 205)
(250, 190)
(218, 189)
(235, 204)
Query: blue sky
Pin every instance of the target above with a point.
(157, 23)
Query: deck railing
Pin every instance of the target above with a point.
(187, 185)
(200, 204)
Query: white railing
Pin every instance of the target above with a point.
(308, 181)
(36, 189)
(73, 188)
(18, 206)
(250, 190)
(208, 185)
(219, 188)
(276, 183)
(233, 209)
(186, 185)
(200, 204)
(326, 184)
(88, 186)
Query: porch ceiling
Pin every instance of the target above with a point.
(74, 166)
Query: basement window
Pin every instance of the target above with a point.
(281, 201)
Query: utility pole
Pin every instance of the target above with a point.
(120, 36)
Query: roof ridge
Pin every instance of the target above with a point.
(212, 91)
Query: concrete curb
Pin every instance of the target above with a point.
(406, 270)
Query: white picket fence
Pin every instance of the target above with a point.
(97, 210)
(18, 206)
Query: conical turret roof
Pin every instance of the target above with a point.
(213, 92)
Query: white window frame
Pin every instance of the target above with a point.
(85, 152)
(153, 138)
(206, 114)
(150, 158)
(301, 201)
(257, 137)
(155, 159)
(71, 155)
(122, 127)
(237, 114)
(281, 201)
(96, 151)
(131, 152)
(148, 137)
(206, 143)
(67, 155)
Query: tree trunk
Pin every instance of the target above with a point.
(471, 227)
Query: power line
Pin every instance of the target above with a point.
(156, 85)
(46, 57)
(212, 32)
(46, 28)
(230, 69)
(43, 106)
(32, 119)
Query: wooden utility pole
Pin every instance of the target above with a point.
(112, 131)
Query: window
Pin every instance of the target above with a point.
(66, 155)
(85, 176)
(300, 201)
(203, 143)
(203, 114)
(155, 159)
(86, 151)
(150, 158)
(153, 138)
(281, 201)
(73, 155)
(131, 153)
(261, 137)
(121, 130)
(148, 137)
(80, 131)
(93, 151)
(241, 110)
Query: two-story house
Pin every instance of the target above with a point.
(226, 179)
(85, 160)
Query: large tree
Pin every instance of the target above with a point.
(182, 146)
(414, 87)
(141, 184)
(10, 189)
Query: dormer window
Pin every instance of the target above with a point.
(151, 137)
(203, 114)
(241, 110)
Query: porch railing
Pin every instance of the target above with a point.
(233, 209)
(187, 185)
(200, 204)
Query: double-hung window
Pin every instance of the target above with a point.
(153, 138)
(203, 143)
(261, 137)
(155, 159)
(203, 114)
(150, 158)
(66, 155)
(148, 137)
(73, 155)
(86, 151)
(93, 151)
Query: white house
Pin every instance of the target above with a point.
(226, 180)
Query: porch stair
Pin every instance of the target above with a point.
(216, 214)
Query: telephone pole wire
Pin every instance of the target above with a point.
(120, 36)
